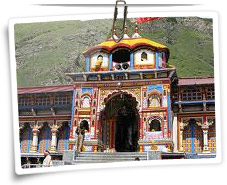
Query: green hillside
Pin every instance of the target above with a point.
(46, 51)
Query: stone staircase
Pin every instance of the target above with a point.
(100, 157)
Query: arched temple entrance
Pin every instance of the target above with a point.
(120, 122)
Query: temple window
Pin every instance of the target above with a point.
(62, 100)
(191, 94)
(25, 101)
(86, 102)
(143, 56)
(210, 94)
(155, 125)
(121, 56)
(42, 100)
(94, 103)
(154, 101)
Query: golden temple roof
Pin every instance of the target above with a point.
(130, 43)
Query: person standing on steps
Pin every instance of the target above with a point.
(80, 131)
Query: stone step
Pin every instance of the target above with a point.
(114, 153)
(100, 161)
(111, 157)
(100, 157)
(105, 158)
(117, 156)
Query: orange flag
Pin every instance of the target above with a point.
(146, 19)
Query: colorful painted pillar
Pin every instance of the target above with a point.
(71, 142)
(174, 133)
(156, 59)
(205, 129)
(87, 59)
(131, 60)
(169, 112)
(35, 132)
(181, 129)
(141, 132)
(54, 131)
(111, 62)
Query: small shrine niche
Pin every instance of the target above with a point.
(86, 102)
(154, 99)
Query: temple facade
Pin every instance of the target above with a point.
(129, 99)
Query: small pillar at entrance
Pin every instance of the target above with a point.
(205, 140)
(181, 139)
(53, 140)
(174, 134)
(34, 147)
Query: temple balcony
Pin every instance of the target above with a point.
(126, 75)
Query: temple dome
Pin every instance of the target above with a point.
(130, 43)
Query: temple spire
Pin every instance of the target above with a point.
(114, 35)
(126, 33)
(136, 34)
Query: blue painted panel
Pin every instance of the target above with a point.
(29, 141)
(87, 59)
(66, 139)
(87, 90)
(111, 62)
(158, 87)
(156, 59)
(73, 101)
(195, 102)
(193, 138)
(47, 137)
(131, 60)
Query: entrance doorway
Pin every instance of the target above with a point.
(120, 123)
(193, 137)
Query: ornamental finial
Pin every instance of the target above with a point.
(136, 28)
(126, 33)
(136, 34)
(114, 35)
(114, 32)
(126, 30)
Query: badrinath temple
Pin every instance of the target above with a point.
(131, 102)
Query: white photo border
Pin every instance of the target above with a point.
(88, 16)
